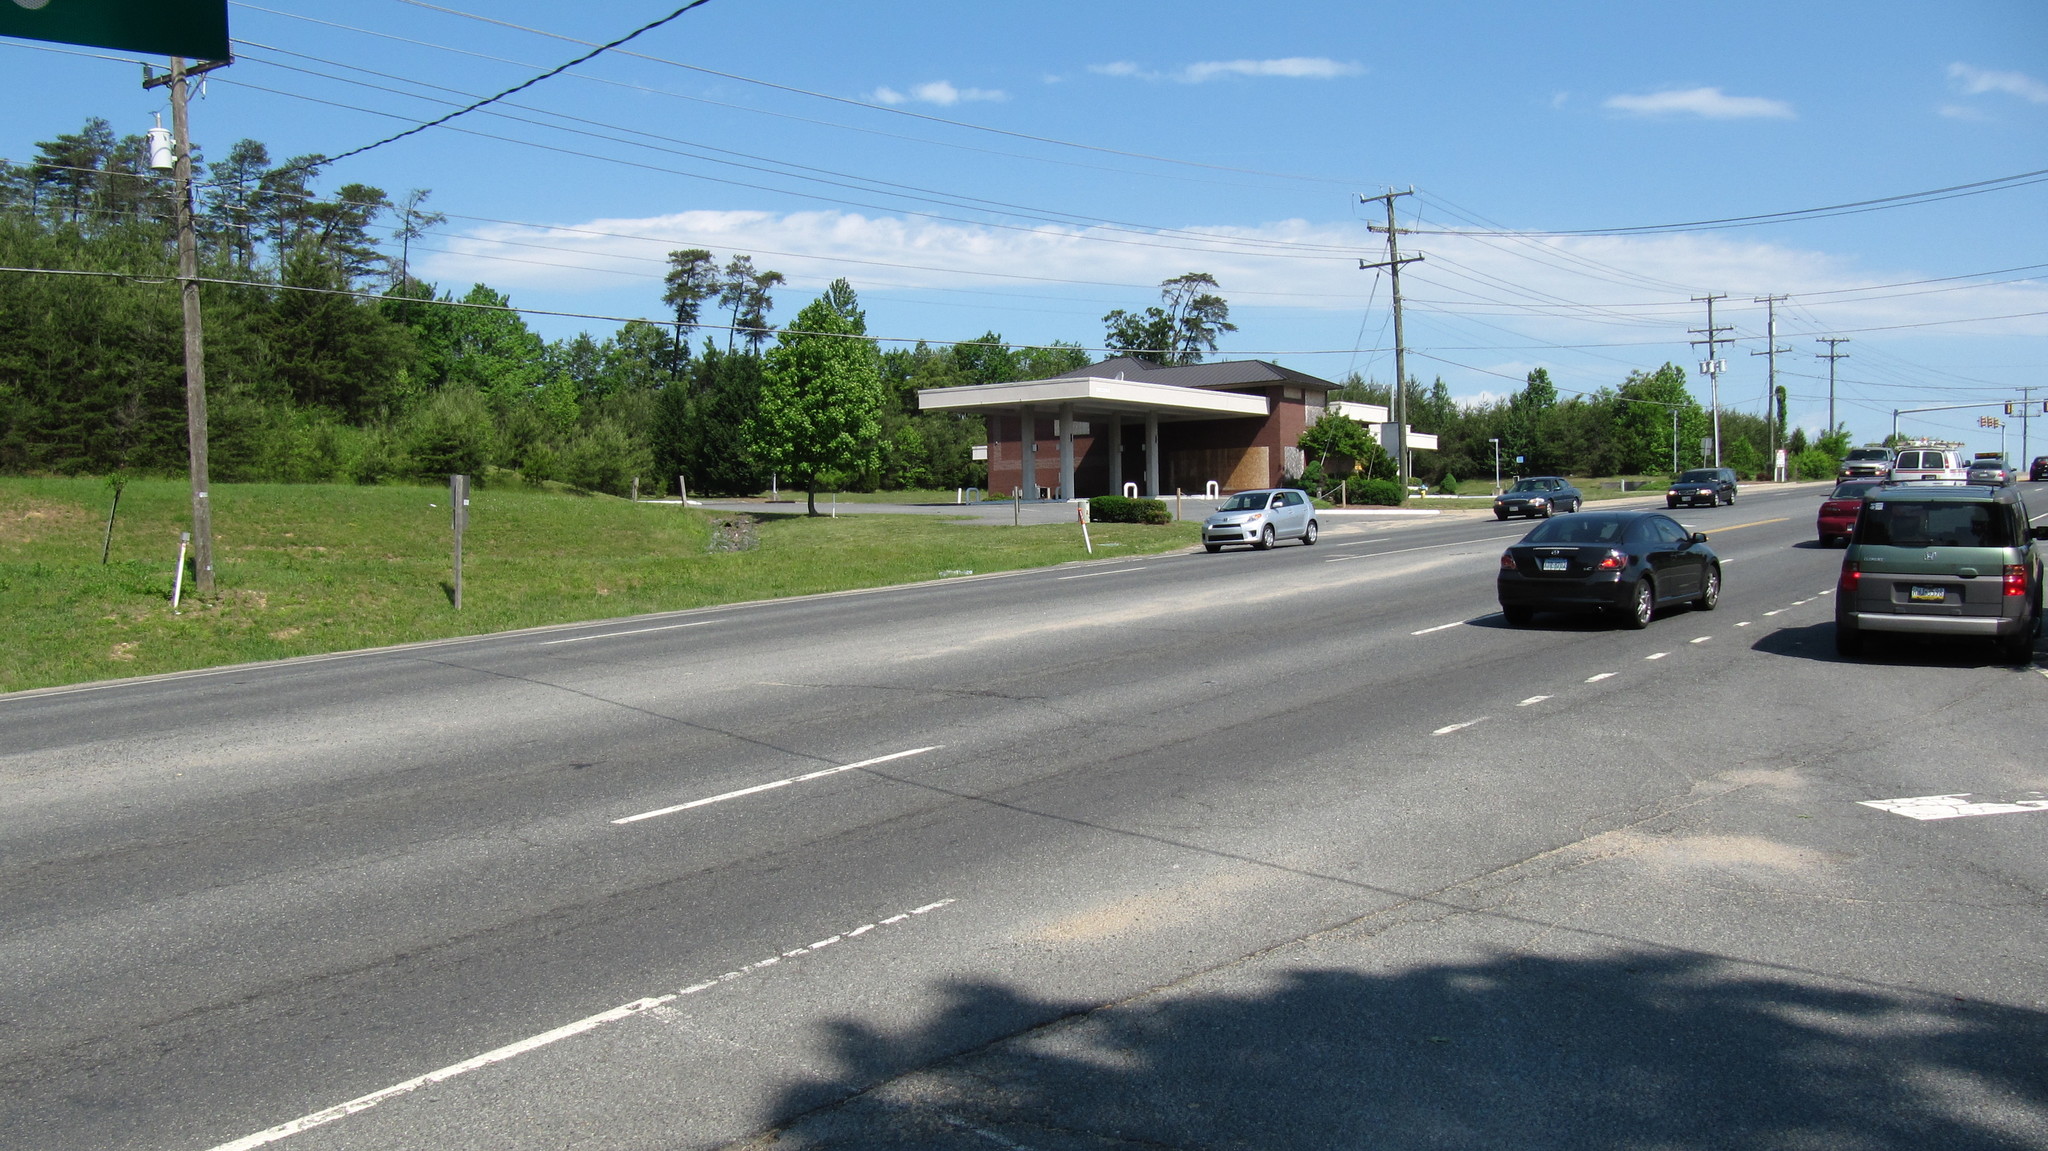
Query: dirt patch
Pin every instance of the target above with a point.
(24, 521)
(123, 651)
(1709, 852)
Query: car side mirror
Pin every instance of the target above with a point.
(2038, 533)
(1699, 537)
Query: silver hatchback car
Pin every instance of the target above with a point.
(1262, 518)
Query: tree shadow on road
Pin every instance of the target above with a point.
(1637, 1050)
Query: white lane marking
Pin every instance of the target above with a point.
(1657, 655)
(1092, 575)
(632, 631)
(1532, 699)
(1702, 639)
(1829, 591)
(759, 787)
(1950, 806)
(1771, 613)
(1798, 602)
(1362, 543)
(510, 1050)
(1441, 627)
(1448, 729)
(1601, 676)
(1744, 623)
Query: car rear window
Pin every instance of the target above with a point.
(1853, 490)
(1579, 529)
(1935, 524)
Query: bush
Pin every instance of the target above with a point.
(1448, 485)
(1124, 510)
(1814, 464)
(1385, 493)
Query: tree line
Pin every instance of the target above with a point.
(328, 360)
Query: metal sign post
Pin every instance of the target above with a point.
(458, 502)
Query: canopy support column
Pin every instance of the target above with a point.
(1152, 455)
(1027, 451)
(1066, 451)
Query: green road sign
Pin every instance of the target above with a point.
(195, 29)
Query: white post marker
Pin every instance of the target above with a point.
(1081, 516)
(1951, 806)
(178, 581)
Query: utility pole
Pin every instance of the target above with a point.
(188, 290)
(1393, 264)
(1711, 366)
(1771, 349)
(1831, 355)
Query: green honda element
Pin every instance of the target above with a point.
(1941, 559)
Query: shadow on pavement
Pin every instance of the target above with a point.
(1645, 1050)
(1816, 641)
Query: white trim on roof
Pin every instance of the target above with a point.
(1093, 395)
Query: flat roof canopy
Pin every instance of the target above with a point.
(1092, 395)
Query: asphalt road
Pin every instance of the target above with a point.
(1285, 849)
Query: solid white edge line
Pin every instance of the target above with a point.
(760, 787)
(532, 1043)
(632, 631)
(1092, 575)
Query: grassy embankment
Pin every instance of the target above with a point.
(307, 569)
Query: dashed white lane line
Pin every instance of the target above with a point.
(1092, 575)
(629, 631)
(1449, 728)
(1425, 547)
(1744, 623)
(1532, 699)
(1441, 627)
(759, 787)
(533, 1043)
(1800, 602)
(1601, 676)
(1950, 806)
(1657, 655)
(1701, 639)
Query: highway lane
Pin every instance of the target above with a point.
(354, 871)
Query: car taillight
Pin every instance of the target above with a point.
(2015, 579)
(1612, 562)
(1507, 561)
(1847, 584)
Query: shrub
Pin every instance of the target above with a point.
(1814, 464)
(1386, 493)
(1124, 510)
(1448, 485)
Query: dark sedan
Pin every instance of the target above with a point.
(1709, 486)
(1625, 563)
(1538, 496)
(2039, 470)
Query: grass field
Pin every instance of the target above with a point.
(304, 569)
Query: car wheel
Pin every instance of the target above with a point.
(1670, 503)
(1641, 606)
(1266, 538)
(1212, 549)
(1547, 509)
(2018, 647)
(1501, 516)
(1731, 499)
(1308, 536)
(1710, 591)
(1517, 616)
(1848, 643)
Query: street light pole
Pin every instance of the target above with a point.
(1495, 441)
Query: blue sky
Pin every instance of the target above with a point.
(1026, 168)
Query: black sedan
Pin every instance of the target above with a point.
(1625, 563)
(1539, 496)
(1709, 486)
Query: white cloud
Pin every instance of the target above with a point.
(1977, 81)
(1962, 112)
(1709, 103)
(1288, 67)
(1459, 281)
(939, 92)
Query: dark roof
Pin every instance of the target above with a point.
(1220, 375)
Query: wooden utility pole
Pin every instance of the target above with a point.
(1831, 355)
(188, 290)
(1711, 366)
(1771, 349)
(1393, 263)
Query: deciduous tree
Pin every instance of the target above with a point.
(821, 396)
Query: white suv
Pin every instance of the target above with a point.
(1930, 464)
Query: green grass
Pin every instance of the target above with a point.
(304, 569)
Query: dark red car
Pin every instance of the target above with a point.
(1839, 510)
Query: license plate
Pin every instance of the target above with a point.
(1928, 594)
(1554, 565)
